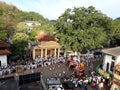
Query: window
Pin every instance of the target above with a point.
(107, 67)
(112, 66)
(113, 58)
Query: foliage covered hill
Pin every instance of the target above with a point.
(117, 18)
(13, 27)
(10, 16)
(31, 16)
(8, 20)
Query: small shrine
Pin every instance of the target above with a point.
(47, 45)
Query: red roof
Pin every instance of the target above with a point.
(4, 44)
(45, 37)
(4, 52)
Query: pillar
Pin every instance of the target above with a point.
(58, 52)
(45, 52)
(55, 52)
(33, 53)
(41, 52)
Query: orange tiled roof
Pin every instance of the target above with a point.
(45, 37)
(4, 44)
(4, 52)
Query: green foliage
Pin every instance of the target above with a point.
(22, 27)
(8, 19)
(114, 35)
(20, 37)
(20, 41)
(82, 28)
(18, 48)
(31, 16)
(3, 35)
(47, 28)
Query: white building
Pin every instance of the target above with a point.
(3, 59)
(32, 24)
(111, 58)
(4, 52)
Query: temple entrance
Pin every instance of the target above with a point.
(50, 52)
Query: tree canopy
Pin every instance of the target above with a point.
(82, 28)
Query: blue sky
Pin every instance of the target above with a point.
(52, 9)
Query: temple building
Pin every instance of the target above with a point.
(47, 45)
(4, 52)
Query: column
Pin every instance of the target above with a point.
(33, 53)
(41, 52)
(58, 52)
(45, 52)
(55, 52)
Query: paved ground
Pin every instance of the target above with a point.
(51, 71)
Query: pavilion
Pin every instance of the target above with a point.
(47, 45)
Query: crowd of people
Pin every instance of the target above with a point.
(29, 64)
(95, 81)
(40, 62)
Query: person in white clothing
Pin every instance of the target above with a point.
(100, 85)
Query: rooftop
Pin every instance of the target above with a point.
(4, 52)
(112, 51)
(4, 44)
(45, 37)
(32, 22)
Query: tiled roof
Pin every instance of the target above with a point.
(45, 37)
(4, 44)
(112, 51)
(4, 52)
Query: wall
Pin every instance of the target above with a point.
(107, 59)
(3, 59)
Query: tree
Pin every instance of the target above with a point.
(8, 20)
(114, 35)
(22, 27)
(82, 28)
(20, 41)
